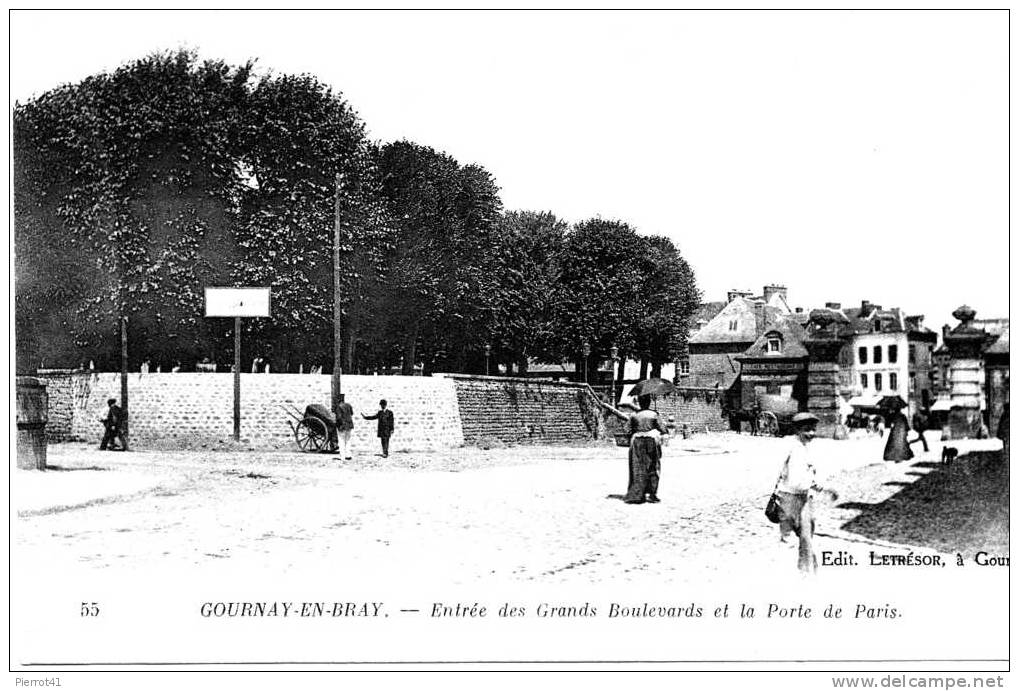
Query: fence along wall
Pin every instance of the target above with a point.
(517, 410)
(197, 407)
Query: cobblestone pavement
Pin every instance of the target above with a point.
(544, 514)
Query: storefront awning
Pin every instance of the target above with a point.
(864, 401)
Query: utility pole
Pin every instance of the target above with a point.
(237, 378)
(123, 381)
(337, 311)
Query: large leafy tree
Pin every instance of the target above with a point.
(136, 189)
(668, 301)
(299, 137)
(443, 214)
(624, 290)
(603, 267)
(521, 284)
(125, 192)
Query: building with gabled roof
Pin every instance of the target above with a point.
(887, 354)
(775, 364)
(733, 327)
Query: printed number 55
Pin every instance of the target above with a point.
(90, 609)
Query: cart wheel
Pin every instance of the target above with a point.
(311, 434)
(767, 424)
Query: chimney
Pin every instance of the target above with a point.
(759, 318)
(833, 305)
(915, 322)
(945, 330)
(799, 310)
(736, 293)
(775, 289)
(865, 308)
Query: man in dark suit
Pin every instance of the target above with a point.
(386, 424)
(114, 427)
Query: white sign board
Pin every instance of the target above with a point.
(236, 302)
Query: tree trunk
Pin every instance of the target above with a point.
(348, 349)
(643, 369)
(656, 369)
(409, 349)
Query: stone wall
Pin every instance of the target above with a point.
(699, 409)
(517, 410)
(195, 407)
(62, 387)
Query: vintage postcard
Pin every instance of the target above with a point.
(511, 340)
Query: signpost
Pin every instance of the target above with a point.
(237, 303)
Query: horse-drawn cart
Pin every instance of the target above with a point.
(315, 430)
(769, 415)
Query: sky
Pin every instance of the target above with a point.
(848, 155)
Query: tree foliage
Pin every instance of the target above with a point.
(443, 213)
(137, 188)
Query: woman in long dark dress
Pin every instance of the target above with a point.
(646, 430)
(897, 447)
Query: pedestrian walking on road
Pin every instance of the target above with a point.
(646, 430)
(386, 424)
(344, 427)
(113, 424)
(797, 483)
(920, 426)
(897, 447)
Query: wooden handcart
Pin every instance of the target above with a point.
(313, 430)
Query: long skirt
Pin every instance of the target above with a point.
(645, 467)
(897, 447)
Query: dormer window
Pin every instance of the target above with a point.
(877, 325)
(774, 344)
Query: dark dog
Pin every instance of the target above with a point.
(949, 454)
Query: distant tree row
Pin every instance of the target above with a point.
(134, 190)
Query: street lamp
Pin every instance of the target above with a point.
(614, 352)
(488, 354)
(586, 350)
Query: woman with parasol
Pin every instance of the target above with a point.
(646, 430)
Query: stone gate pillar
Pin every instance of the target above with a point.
(824, 344)
(965, 350)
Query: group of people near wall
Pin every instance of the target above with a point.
(341, 431)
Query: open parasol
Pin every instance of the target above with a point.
(891, 403)
(656, 386)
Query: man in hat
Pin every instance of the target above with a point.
(344, 428)
(113, 422)
(795, 487)
(386, 424)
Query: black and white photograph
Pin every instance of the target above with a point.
(510, 340)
